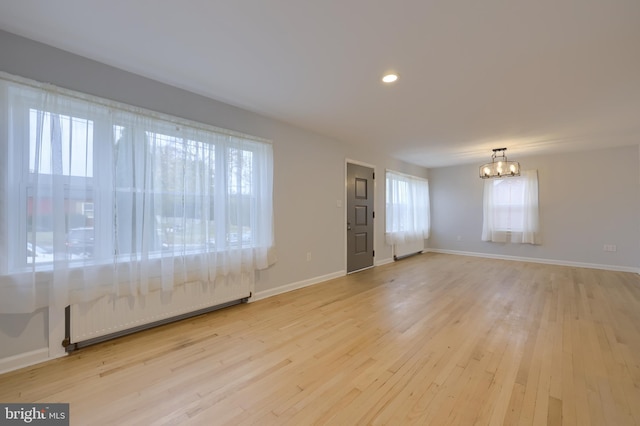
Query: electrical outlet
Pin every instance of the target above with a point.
(308, 256)
(459, 238)
(610, 247)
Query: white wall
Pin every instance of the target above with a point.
(309, 174)
(587, 199)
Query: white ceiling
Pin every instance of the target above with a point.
(536, 76)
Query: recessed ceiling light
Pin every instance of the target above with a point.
(390, 78)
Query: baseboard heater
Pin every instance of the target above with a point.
(401, 251)
(108, 317)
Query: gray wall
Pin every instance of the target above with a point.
(308, 178)
(22, 333)
(587, 199)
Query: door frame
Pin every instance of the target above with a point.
(348, 161)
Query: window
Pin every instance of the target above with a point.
(60, 155)
(407, 208)
(110, 193)
(511, 209)
(87, 210)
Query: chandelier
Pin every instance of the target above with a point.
(499, 167)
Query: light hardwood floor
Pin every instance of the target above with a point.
(434, 339)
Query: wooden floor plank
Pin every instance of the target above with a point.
(432, 339)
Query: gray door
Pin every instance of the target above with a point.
(359, 217)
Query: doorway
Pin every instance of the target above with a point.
(360, 215)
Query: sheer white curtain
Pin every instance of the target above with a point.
(510, 211)
(102, 198)
(407, 208)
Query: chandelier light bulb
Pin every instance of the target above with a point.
(500, 166)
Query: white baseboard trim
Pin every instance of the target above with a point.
(26, 359)
(539, 260)
(259, 295)
(384, 261)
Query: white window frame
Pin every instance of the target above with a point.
(407, 212)
(17, 178)
(523, 227)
